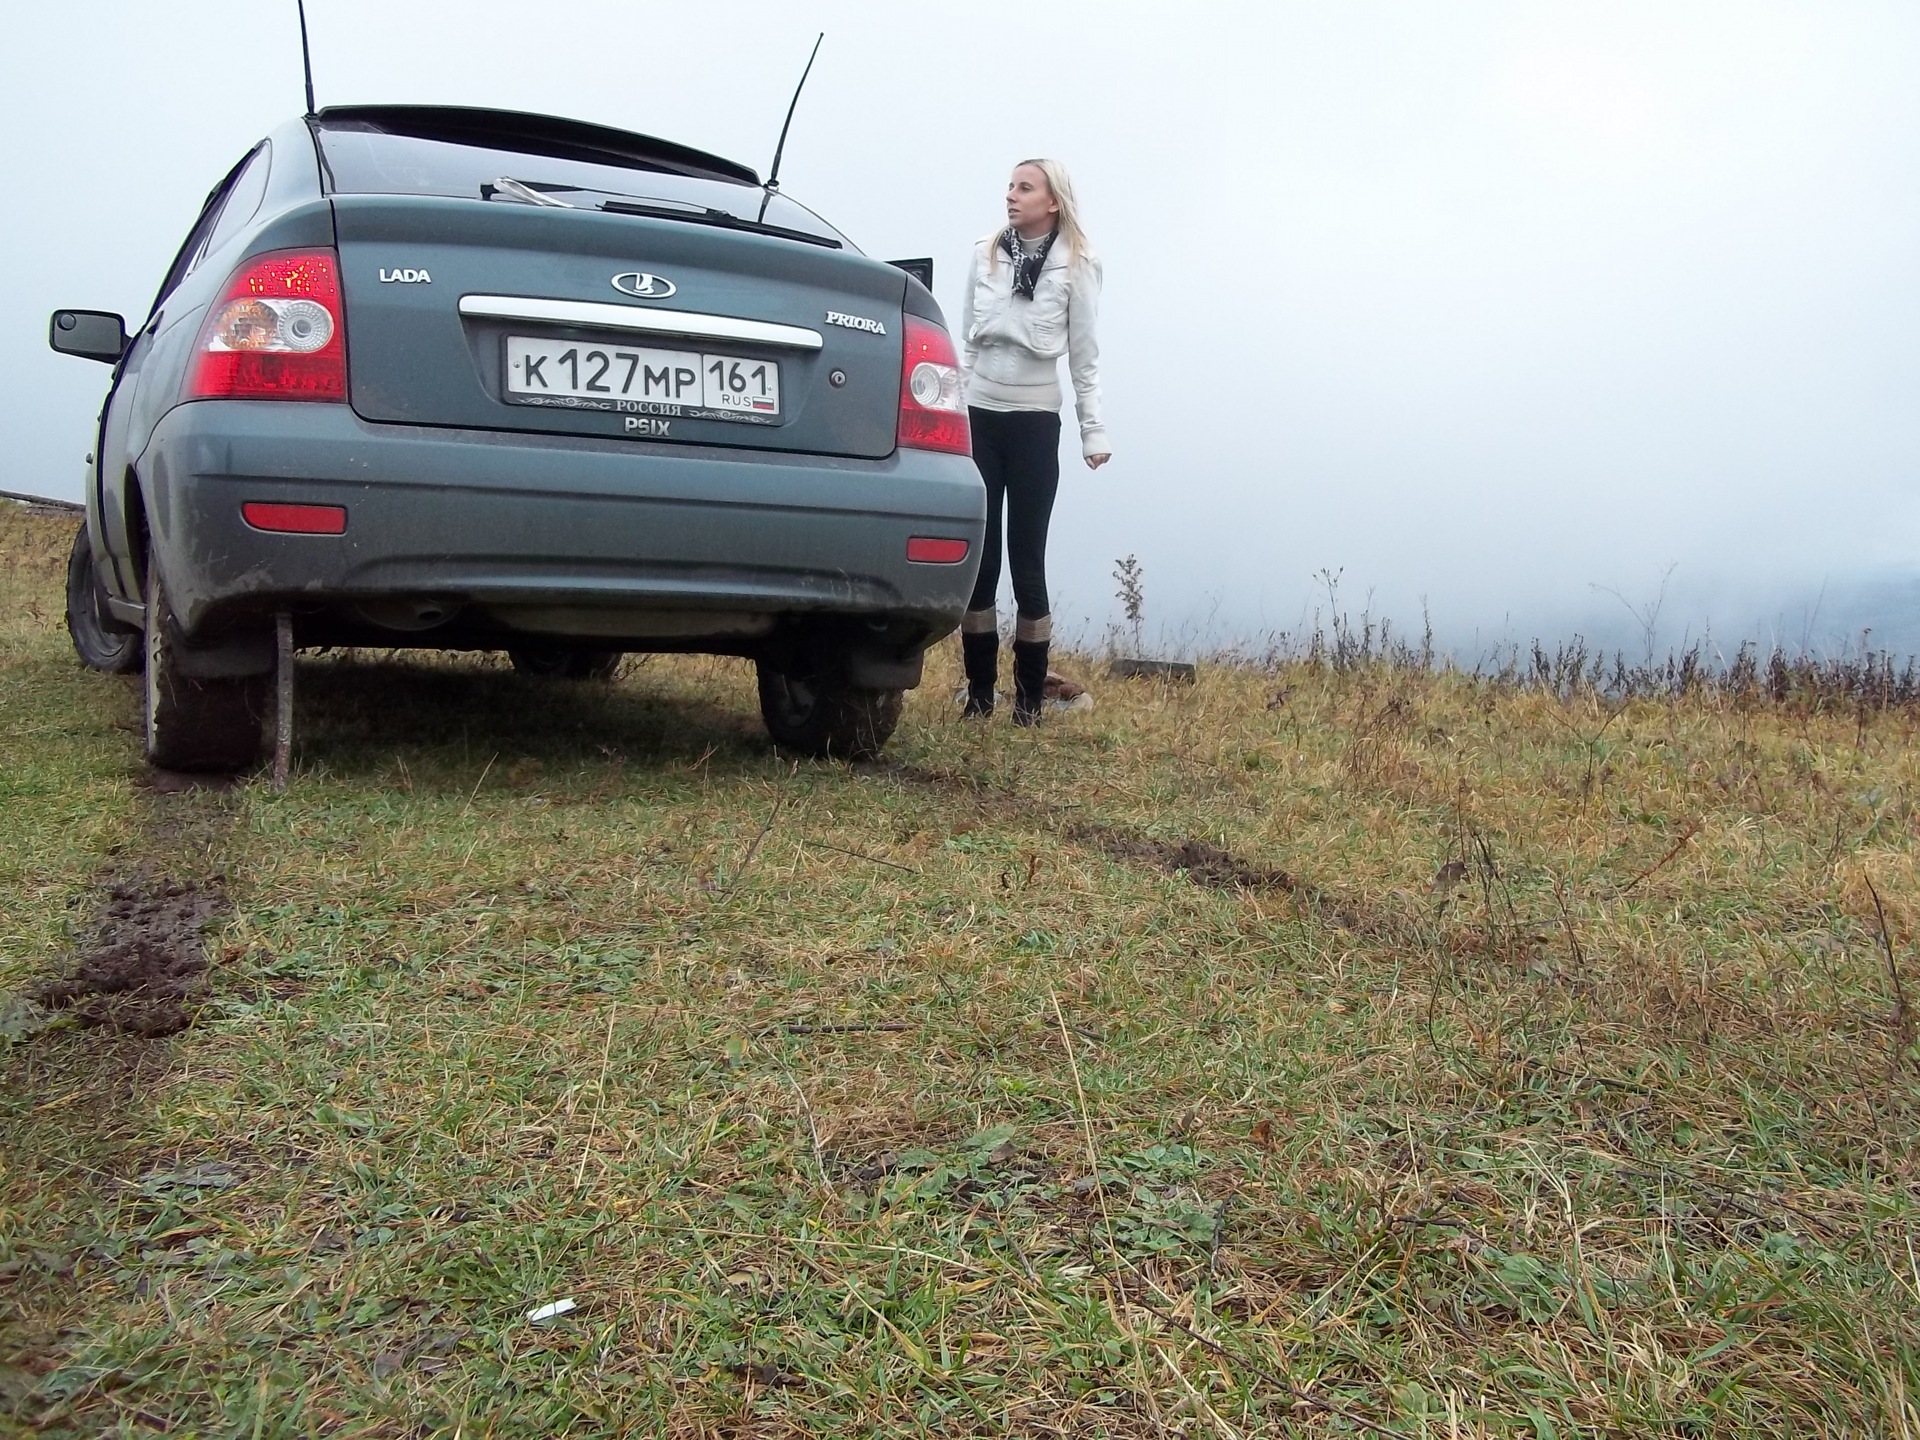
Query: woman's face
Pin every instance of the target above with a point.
(1031, 208)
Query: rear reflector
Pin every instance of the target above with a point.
(296, 519)
(927, 550)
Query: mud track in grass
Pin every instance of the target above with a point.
(1199, 861)
(141, 969)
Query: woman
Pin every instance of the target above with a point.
(1033, 295)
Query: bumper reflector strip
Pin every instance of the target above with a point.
(295, 519)
(928, 550)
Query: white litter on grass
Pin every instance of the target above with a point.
(553, 1310)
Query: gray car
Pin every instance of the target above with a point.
(471, 379)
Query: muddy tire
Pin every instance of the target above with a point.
(191, 723)
(98, 639)
(565, 662)
(826, 717)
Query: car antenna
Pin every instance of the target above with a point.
(306, 56)
(773, 175)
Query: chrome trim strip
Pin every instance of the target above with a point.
(632, 317)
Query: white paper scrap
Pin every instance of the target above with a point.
(552, 1310)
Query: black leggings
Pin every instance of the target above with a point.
(1018, 452)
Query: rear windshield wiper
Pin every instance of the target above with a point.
(706, 215)
(527, 193)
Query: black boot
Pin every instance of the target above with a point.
(1029, 681)
(980, 655)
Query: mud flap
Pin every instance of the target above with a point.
(868, 671)
(231, 657)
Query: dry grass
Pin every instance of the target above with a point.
(1335, 1052)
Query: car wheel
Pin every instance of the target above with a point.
(565, 662)
(826, 717)
(193, 723)
(99, 648)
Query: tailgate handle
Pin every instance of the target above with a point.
(630, 317)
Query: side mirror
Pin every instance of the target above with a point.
(921, 270)
(90, 334)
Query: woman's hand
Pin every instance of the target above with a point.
(1094, 462)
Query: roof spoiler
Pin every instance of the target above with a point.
(530, 134)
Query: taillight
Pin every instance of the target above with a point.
(275, 333)
(933, 412)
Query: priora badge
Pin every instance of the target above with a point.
(856, 322)
(644, 286)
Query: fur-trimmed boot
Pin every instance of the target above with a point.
(1029, 681)
(980, 655)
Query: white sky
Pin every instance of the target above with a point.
(1488, 303)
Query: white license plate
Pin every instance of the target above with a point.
(627, 377)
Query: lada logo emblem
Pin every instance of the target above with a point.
(643, 285)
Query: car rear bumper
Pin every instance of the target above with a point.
(627, 543)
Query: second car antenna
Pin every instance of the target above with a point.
(773, 175)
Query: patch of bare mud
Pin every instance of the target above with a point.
(144, 969)
(175, 782)
(141, 967)
(1200, 862)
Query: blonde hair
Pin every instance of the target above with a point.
(1060, 186)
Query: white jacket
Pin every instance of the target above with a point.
(1011, 348)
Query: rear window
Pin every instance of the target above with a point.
(364, 159)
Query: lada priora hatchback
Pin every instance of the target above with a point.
(469, 379)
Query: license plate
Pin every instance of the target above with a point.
(571, 375)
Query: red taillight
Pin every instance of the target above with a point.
(933, 411)
(931, 550)
(295, 519)
(276, 333)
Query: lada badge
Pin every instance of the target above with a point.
(644, 285)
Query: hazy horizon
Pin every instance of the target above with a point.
(1506, 312)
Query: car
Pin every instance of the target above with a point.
(466, 379)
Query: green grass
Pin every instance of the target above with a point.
(932, 1097)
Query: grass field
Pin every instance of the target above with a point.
(1304, 1051)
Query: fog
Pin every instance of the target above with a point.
(1527, 317)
